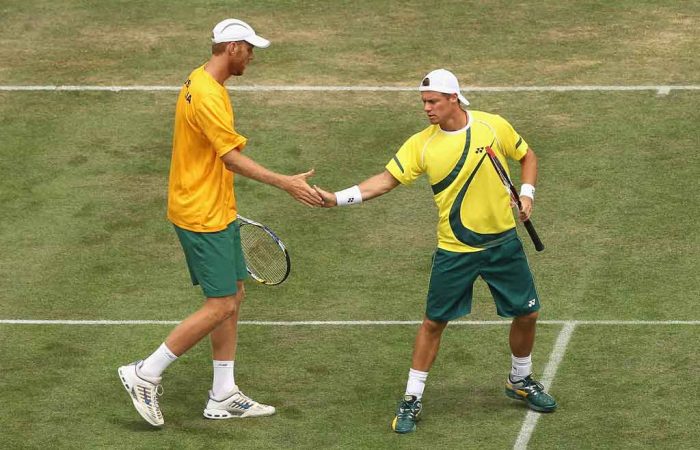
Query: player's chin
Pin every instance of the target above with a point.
(237, 70)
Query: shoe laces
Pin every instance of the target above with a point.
(243, 401)
(151, 394)
(407, 408)
(533, 385)
(244, 397)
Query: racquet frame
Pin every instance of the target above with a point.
(244, 222)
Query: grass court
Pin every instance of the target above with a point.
(83, 185)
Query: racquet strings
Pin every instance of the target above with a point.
(264, 257)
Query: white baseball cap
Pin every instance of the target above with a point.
(231, 30)
(444, 81)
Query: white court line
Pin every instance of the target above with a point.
(550, 370)
(346, 322)
(660, 89)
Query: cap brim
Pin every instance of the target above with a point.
(463, 100)
(257, 41)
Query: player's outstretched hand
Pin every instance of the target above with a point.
(329, 199)
(298, 187)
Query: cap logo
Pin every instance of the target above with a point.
(426, 81)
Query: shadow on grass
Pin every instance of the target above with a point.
(137, 426)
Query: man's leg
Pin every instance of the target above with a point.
(522, 334)
(520, 384)
(226, 401)
(224, 340)
(512, 285)
(425, 350)
(193, 329)
(142, 378)
(427, 344)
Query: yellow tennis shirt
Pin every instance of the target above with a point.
(473, 204)
(200, 189)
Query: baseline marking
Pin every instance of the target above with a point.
(550, 370)
(660, 89)
(347, 322)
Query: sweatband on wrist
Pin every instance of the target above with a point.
(527, 190)
(349, 196)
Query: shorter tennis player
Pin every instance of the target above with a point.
(202, 207)
(476, 233)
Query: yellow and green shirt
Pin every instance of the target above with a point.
(473, 205)
(200, 190)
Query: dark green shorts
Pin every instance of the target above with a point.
(215, 259)
(504, 269)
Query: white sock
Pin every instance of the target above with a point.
(520, 367)
(155, 365)
(416, 383)
(224, 381)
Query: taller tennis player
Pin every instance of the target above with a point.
(202, 207)
(476, 233)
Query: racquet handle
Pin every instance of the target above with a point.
(539, 246)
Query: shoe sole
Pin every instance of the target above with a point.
(218, 414)
(137, 405)
(541, 409)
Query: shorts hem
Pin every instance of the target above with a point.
(513, 316)
(219, 294)
(440, 319)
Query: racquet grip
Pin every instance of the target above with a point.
(539, 246)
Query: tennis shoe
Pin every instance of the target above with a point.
(235, 405)
(144, 392)
(407, 414)
(532, 393)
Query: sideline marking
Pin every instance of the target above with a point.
(550, 370)
(347, 322)
(660, 89)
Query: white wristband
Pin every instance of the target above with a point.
(527, 190)
(349, 196)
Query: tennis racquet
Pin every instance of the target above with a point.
(266, 257)
(503, 175)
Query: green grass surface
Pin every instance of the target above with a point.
(83, 178)
(356, 42)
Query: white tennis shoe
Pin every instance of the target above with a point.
(144, 392)
(235, 405)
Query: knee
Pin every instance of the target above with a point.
(530, 318)
(225, 307)
(433, 327)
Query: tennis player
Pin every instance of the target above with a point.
(202, 206)
(476, 233)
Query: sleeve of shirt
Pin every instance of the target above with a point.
(513, 145)
(217, 125)
(406, 165)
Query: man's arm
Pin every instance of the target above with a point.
(528, 175)
(294, 185)
(372, 187)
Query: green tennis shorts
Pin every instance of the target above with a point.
(505, 270)
(215, 260)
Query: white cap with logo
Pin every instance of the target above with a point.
(231, 30)
(443, 81)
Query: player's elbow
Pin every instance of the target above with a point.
(530, 156)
